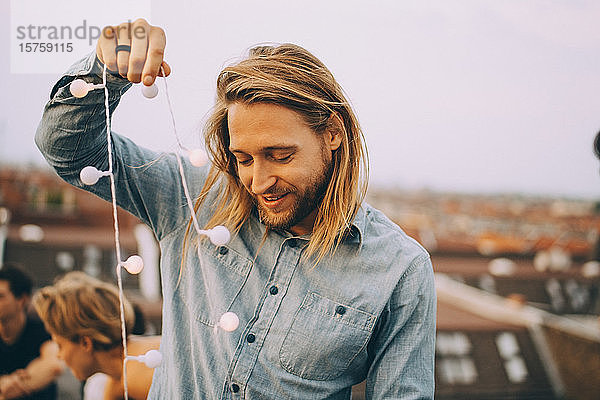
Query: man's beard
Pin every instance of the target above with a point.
(305, 203)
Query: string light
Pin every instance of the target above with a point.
(229, 322)
(150, 92)
(80, 88)
(134, 264)
(90, 175)
(152, 358)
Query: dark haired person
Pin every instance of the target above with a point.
(329, 292)
(28, 358)
(597, 145)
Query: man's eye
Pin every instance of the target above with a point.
(245, 162)
(283, 159)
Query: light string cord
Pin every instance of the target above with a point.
(116, 226)
(178, 156)
(185, 187)
(115, 215)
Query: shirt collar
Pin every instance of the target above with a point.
(357, 227)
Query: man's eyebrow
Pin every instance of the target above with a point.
(268, 149)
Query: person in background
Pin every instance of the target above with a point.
(93, 388)
(28, 358)
(83, 316)
(596, 249)
(597, 145)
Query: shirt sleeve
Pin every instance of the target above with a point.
(403, 350)
(72, 135)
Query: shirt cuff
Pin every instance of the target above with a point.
(89, 69)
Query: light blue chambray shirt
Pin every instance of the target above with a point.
(366, 312)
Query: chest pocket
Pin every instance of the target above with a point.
(325, 337)
(212, 281)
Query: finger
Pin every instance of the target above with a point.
(22, 386)
(22, 373)
(166, 68)
(157, 41)
(139, 47)
(105, 49)
(13, 387)
(123, 38)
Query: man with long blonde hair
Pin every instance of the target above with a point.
(328, 291)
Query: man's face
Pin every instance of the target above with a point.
(284, 165)
(10, 306)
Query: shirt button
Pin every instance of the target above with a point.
(250, 338)
(223, 250)
(340, 310)
(273, 290)
(235, 388)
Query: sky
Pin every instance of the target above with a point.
(463, 96)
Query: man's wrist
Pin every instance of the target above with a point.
(22, 388)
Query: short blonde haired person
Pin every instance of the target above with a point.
(83, 316)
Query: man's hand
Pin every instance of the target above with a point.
(13, 386)
(142, 60)
(38, 374)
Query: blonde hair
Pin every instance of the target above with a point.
(78, 305)
(290, 76)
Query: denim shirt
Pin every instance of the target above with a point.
(306, 331)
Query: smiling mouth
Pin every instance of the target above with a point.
(273, 197)
(273, 200)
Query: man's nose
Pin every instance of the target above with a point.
(262, 179)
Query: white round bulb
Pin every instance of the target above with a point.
(591, 269)
(89, 175)
(219, 235)
(134, 265)
(198, 157)
(229, 322)
(79, 88)
(152, 358)
(150, 92)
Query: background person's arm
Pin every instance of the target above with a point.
(12, 387)
(38, 374)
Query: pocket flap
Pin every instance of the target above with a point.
(342, 312)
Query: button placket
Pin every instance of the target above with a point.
(282, 272)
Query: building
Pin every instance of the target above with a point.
(510, 325)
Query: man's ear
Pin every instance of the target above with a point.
(24, 302)
(87, 343)
(335, 128)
